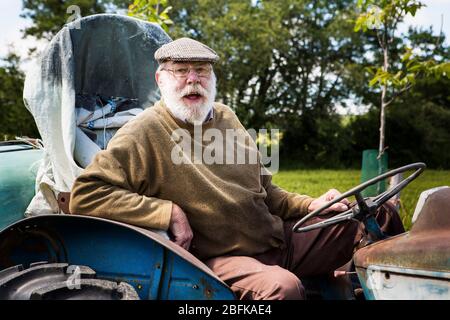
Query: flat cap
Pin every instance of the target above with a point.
(185, 49)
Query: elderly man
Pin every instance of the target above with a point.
(231, 216)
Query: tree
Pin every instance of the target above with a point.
(315, 71)
(49, 16)
(15, 120)
(417, 122)
(394, 78)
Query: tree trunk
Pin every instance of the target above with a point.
(383, 100)
(381, 146)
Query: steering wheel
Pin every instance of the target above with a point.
(366, 207)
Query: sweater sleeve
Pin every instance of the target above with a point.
(112, 187)
(282, 203)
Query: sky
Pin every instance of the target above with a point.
(11, 25)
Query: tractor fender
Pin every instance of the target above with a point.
(155, 266)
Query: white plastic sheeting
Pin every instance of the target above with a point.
(106, 54)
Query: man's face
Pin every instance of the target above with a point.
(188, 89)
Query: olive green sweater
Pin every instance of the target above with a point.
(232, 208)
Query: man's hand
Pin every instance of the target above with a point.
(327, 197)
(180, 228)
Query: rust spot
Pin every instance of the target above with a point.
(208, 291)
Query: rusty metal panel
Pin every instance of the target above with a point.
(413, 265)
(427, 251)
(426, 246)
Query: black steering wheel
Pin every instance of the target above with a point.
(365, 207)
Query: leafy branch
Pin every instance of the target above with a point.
(155, 11)
(382, 17)
(411, 70)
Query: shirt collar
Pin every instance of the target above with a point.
(208, 117)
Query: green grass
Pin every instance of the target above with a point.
(317, 182)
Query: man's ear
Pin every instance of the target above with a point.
(157, 77)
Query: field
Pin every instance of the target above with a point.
(316, 182)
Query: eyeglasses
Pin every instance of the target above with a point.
(182, 72)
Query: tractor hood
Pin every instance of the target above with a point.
(425, 247)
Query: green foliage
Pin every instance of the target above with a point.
(383, 17)
(412, 69)
(416, 133)
(15, 120)
(392, 77)
(379, 14)
(370, 19)
(155, 11)
(49, 16)
(420, 132)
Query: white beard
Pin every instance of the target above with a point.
(173, 98)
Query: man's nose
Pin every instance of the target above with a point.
(192, 77)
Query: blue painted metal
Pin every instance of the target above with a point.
(381, 282)
(178, 280)
(362, 276)
(373, 228)
(18, 168)
(153, 265)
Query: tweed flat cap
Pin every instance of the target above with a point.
(185, 49)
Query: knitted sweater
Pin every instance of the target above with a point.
(232, 208)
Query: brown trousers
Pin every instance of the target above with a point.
(274, 275)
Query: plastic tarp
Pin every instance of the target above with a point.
(106, 54)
